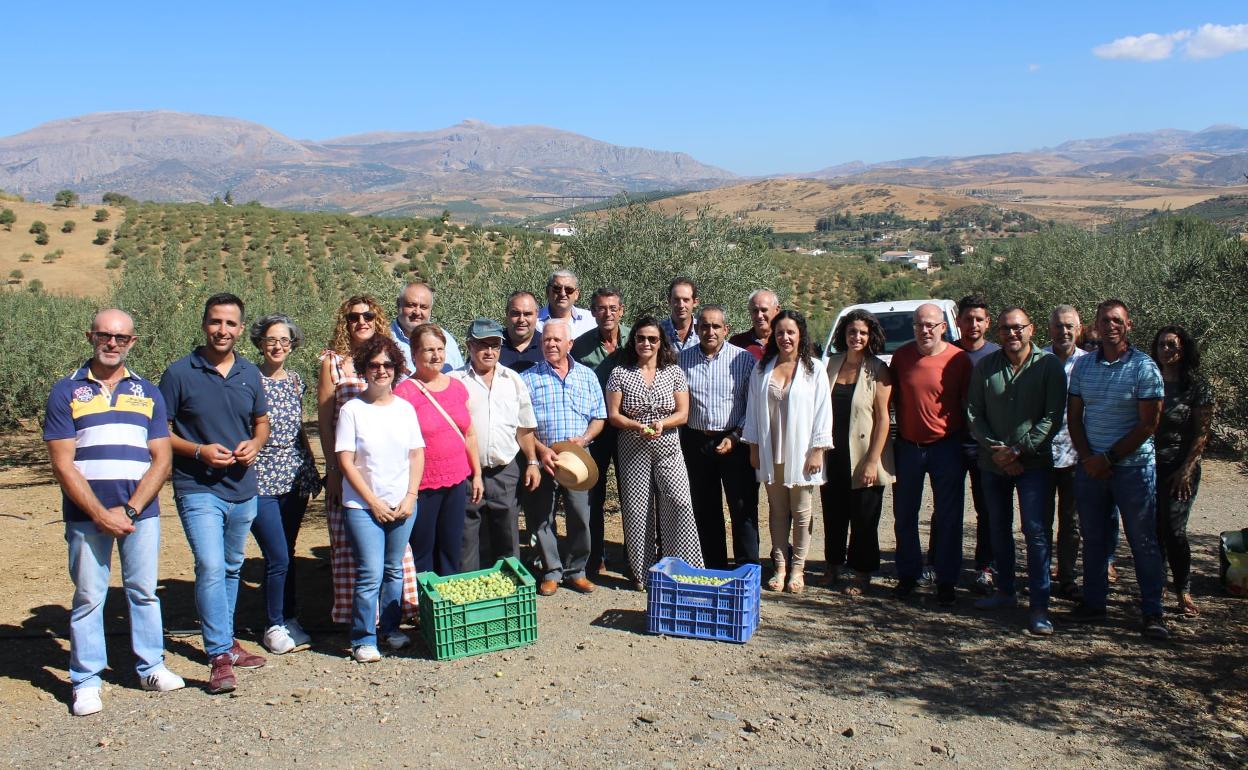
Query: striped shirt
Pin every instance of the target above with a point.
(564, 406)
(1110, 391)
(110, 432)
(1064, 455)
(669, 329)
(718, 387)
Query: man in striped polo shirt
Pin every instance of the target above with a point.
(109, 445)
(1113, 409)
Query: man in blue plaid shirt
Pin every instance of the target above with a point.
(568, 404)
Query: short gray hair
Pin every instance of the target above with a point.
(562, 273)
(1063, 309)
(261, 325)
(754, 294)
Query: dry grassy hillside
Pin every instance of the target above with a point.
(793, 205)
(79, 269)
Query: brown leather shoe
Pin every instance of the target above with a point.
(547, 588)
(580, 585)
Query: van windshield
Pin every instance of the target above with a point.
(899, 329)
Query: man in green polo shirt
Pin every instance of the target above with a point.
(596, 349)
(1014, 409)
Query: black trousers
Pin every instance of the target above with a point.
(604, 451)
(712, 477)
(492, 526)
(849, 512)
(1172, 516)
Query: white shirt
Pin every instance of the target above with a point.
(381, 437)
(497, 412)
(580, 320)
(809, 424)
(1064, 454)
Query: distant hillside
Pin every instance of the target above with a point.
(1203, 157)
(171, 156)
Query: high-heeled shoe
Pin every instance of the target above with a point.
(776, 583)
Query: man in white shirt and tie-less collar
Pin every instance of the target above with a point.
(502, 414)
(563, 289)
(415, 307)
(719, 376)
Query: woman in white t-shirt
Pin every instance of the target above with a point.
(381, 455)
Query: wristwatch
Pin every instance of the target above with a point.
(535, 462)
(130, 512)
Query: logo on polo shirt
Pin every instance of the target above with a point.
(84, 393)
(136, 389)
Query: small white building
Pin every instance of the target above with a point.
(561, 228)
(919, 260)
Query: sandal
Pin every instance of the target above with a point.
(1188, 607)
(1112, 574)
(797, 583)
(776, 583)
(857, 585)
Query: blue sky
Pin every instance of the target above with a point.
(752, 87)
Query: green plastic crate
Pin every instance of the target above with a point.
(457, 630)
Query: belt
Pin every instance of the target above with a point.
(925, 444)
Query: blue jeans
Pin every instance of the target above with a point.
(217, 532)
(378, 550)
(1033, 496)
(1133, 489)
(941, 460)
(438, 537)
(90, 557)
(278, 518)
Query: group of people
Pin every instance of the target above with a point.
(431, 458)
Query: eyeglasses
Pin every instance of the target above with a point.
(928, 326)
(376, 366)
(645, 339)
(102, 338)
(269, 342)
(612, 309)
(1013, 329)
(367, 315)
(493, 343)
(566, 290)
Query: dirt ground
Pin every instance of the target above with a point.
(827, 681)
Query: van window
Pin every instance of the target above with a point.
(899, 329)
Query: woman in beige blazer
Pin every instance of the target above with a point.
(861, 461)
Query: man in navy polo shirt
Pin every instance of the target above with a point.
(220, 422)
(109, 445)
(1113, 409)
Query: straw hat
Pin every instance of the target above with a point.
(575, 469)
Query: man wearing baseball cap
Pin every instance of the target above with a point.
(502, 414)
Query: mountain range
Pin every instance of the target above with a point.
(174, 156)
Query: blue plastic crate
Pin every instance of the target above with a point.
(725, 613)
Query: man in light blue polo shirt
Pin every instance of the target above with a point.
(1113, 409)
(220, 422)
(415, 307)
(108, 441)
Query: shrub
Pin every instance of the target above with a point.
(68, 226)
(15, 276)
(7, 218)
(42, 239)
(102, 236)
(101, 215)
(65, 199)
(37, 227)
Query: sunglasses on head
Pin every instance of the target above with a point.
(367, 315)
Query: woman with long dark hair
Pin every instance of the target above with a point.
(1180, 441)
(860, 463)
(788, 425)
(647, 400)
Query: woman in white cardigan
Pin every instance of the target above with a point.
(788, 425)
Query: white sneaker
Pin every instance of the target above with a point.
(297, 634)
(277, 640)
(162, 680)
(87, 701)
(366, 653)
(397, 640)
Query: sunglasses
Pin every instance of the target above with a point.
(367, 315)
(566, 290)
(102, 338)
(1013, 329)
(647, 339)
(375, 366)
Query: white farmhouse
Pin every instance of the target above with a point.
(919, 260)
(561, 228)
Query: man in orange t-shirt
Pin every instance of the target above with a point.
(930, 378)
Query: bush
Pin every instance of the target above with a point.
(15, 276)
(101, 215)
(7, 218)
(102, 236)
(37, 227)
(65, 199)
(68, 226)
(26, 257)
(42, 239)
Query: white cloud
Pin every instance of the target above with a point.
(1033, 67)
(1147, 47)
(1207, 41)
(1213, 40)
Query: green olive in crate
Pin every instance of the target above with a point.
(466, 590)
(702, 580)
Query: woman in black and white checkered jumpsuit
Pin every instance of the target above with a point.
(647, 399)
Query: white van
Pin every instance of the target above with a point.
(897, 318)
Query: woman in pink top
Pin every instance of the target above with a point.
(452, 468)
